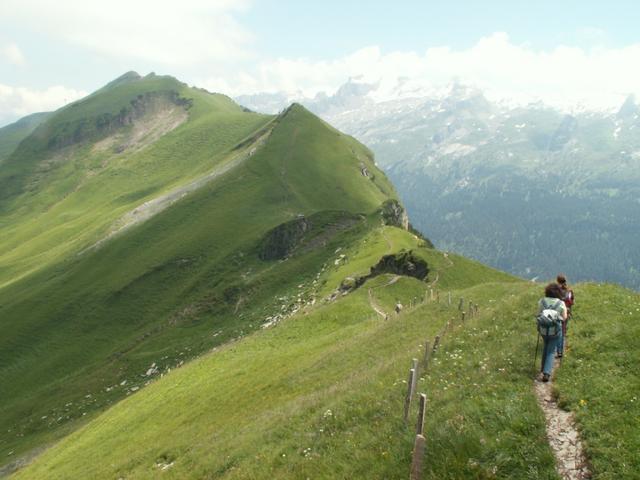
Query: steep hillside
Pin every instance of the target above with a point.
(95, 160)
(12, 135)
(133, 261)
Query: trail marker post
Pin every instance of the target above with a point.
(426, 353)
(417, 458)
(410, 388)
(421, 414)
(436, 343)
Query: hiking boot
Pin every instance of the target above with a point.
(545, 377)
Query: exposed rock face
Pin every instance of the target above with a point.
(403, 263)
(394, 214)
(283, 239)
(104, 124)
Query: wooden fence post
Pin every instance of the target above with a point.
(461, 304)
(421, 413)
(417, 458)
(436, 343)
(426, 353)
(462, 317)
(410, 388)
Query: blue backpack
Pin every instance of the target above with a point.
(549, 320)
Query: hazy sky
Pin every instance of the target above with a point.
(52, 52)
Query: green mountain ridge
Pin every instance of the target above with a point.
(487, 178)
(76, 324)
(205, 292)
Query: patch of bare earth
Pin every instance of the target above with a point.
(563, 436)
(145, 130)
(156, 205)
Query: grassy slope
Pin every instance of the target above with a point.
(11, 135)
(599, 379)
(321, 396)
(70, 197)
(157, 295)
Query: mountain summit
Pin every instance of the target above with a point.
(146, 217)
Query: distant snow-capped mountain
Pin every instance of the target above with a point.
(524, 186)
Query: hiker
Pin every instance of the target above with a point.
(568, 298)
(398, 307)
(552, 311)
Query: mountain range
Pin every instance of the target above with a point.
(529, 188)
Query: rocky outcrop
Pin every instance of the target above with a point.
(279, 242)
(98, 127)
(403, 263)
(394, 214)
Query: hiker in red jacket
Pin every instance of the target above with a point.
(568, 299)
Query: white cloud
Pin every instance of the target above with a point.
(159, 31)
(16, 102)
(564, 76)
(12, 54)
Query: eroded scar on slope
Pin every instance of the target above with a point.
(152, 207)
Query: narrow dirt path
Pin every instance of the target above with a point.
(563, 436)
(394, 279)
(389, 244)
(372, 301)
(376, 307)
(156, 205)
(434, 282)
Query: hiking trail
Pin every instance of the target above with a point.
(563, 436)
(152, 207)
(376, 308)
(434, 282)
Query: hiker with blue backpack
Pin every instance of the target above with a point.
(552, 312)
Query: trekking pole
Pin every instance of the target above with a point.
(535, 357)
